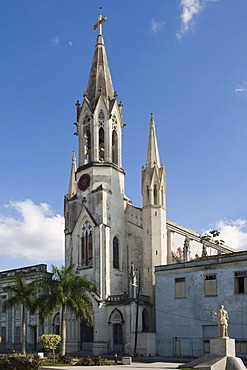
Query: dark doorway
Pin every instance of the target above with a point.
(86, 337)
(117, 337)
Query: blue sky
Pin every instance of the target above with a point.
(184, 60)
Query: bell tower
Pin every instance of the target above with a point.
(99, 119)
(94, 204)
(154, 212)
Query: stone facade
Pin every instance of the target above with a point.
(10, 320)
(112, 242)
(189, 295)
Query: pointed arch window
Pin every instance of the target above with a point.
(155, 195)
(115, 253)
(114, 147)
(101, 144)
(147, 194)
(86, 140)
(87, 245)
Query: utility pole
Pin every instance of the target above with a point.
(137, 309)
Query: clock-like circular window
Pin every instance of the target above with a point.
(84, 182)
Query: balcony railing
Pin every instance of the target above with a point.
(124, 298)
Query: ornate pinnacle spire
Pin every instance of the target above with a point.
(72, 182)
(153, 157)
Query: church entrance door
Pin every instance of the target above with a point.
(117, 337)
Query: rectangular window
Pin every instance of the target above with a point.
(180, 289)
(3, 299)
(17, 335)
(240, 282)
(210, 285)
(18, 312)
(115, 253)
(241, 346)
(206, 346)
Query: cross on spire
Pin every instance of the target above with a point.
(101, 20)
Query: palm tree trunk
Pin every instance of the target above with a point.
(63, 324)
(23, 329)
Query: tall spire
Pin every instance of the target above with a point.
(153, 174)
(99, 81)
(153, 152)
(72, 181)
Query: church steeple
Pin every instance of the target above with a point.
(99, 118)
(99, 81)
(153, 174)
(153, 153)
(153, 211)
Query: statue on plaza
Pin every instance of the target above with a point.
(222, 318)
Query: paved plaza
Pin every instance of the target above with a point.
(135, 365)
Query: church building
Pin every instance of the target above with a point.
(112, 242)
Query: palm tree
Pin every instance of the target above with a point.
(22, 293)
(64, 289)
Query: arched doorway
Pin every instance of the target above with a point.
(116, 321)
(56, 324)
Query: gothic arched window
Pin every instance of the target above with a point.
(86, 140)
(147, 194)
(86, 245)
(155, 195)
(101, 144)
(114, 147)
(115, 253)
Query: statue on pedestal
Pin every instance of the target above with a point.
(222, 317)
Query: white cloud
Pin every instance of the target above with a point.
(233, 232)
(156, 26)
(241, 88)
(55, 41)
(190, 10)
(31, 231)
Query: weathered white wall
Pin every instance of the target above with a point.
(190, 320)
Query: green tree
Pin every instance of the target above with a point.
(21, 293)
(211, 237)
(50, 342)
(64, 290)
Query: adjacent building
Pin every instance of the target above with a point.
(189, 294)
(10, 320)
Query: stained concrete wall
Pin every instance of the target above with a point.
(184, 324)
